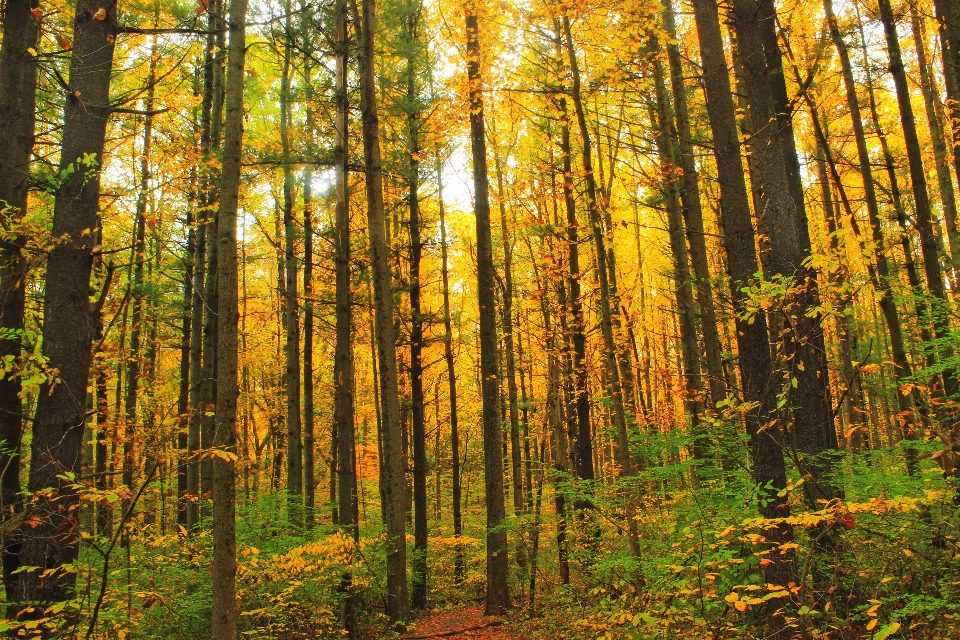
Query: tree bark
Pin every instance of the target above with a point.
(18, 89)
(498, 591)
(394, 489)
(693, 214)
(224, 612)
(291, 305)
(68, 322)
(756, 366)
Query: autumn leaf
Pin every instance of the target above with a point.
(101, 14)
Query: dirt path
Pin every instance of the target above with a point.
(462, 623)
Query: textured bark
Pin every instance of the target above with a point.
(68, 322)
(418, 414)
(309, 482)
(923, 215)
(756, 367)
(394, 486)
(211, 295)
(291, 305)
(498, 591)
(224, 612)
(18, 89)
(783, 221)
(935, 125)
(948, 17)
(346, 467)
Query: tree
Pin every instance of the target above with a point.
(498, 593)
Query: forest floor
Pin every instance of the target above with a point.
(461, 623)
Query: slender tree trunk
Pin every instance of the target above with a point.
(211, 297)
(224, 612)
(498, 590)
(309, 482)
(394, 489)
(667, 147)
(419, 596)
(18, 89)
(344, 384)
(606, 309)
(291, 304)
(451, 381)
(948, 17)
(68, 325)
(693, 214)
(935, 122)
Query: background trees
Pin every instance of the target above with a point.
(649, 273)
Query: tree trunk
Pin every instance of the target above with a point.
(224, 612)
(498, 591)
(68, 325)
(394, 489)
(756, 367)
(693, 214)
(309, 482)
(451, 381)
(18, 89)
(948, 17)
(784, 222)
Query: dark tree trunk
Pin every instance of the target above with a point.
(881, 277)
(784, 222)
(309, 481)
(667, 148)
(756, 367)
(68, 323)
(498, 590)
(224, 611)
(394, 488)
(291, 306)
(18, 89)
(419, 596)
(343, 384)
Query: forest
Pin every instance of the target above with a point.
(504, 319)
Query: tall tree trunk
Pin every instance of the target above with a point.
(394, 489)
(291, 305)
(784, 222)
(756, 366)
(936, 120)
(18, 89)
(603, 272)
(344, 383)
(693, 214)
(948, 17)
(309, 482)
(451, 380)
(224, 612)
(667, 148)
(211, 296)
(68, 325)
(419, 599)
(498, 590)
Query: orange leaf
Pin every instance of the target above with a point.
(101, 14)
